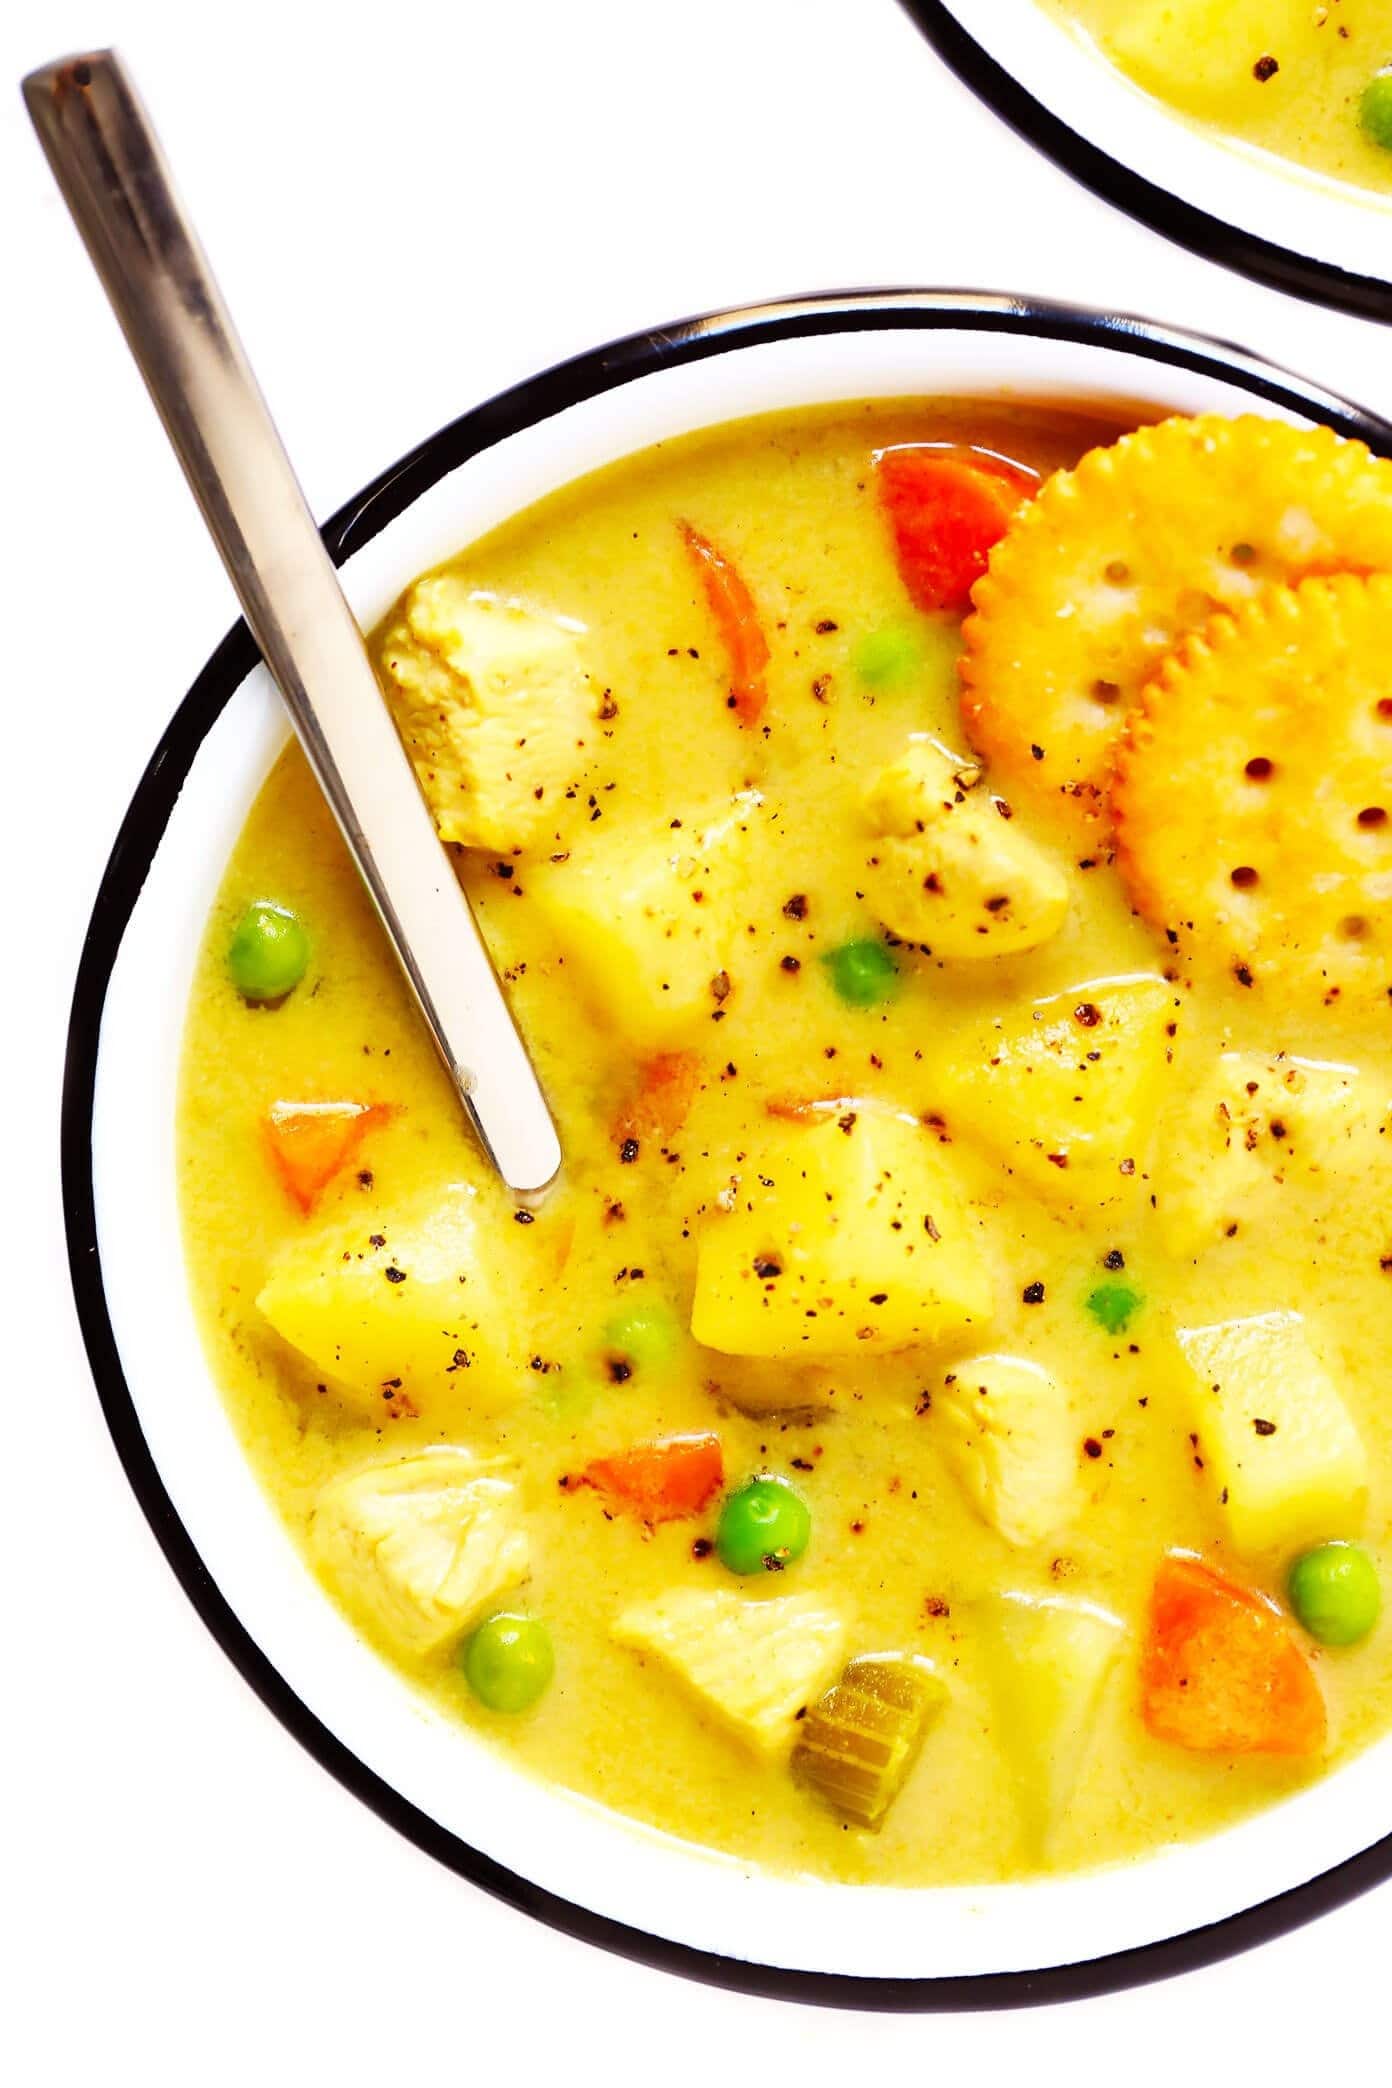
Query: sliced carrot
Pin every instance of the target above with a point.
(311, 1142)
(661, 1481)
(741, 633)
(660, 1104)
(1220, 1672)
(946, 508)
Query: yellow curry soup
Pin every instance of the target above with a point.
(1308, 81)
(840, 1437)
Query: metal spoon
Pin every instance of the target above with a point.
(116, 184)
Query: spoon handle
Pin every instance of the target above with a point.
(115, 182)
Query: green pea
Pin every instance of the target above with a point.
(863, 973)
(644, 1338)
(762, 1527)
(269, 951)
(509, 1662)
(884, 658)
(1334, 1591)
(1113, 1305)
(1375, 108)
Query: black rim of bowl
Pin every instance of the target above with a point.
(523, 406)
(1213, 238)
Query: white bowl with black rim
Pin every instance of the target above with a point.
(1247, 210)
(566, 1859)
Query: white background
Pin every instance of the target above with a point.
(410, 206)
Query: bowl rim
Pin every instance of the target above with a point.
(522, 406)
(1214, 239)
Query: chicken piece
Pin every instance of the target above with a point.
(1263, 1141)
(652, 920)
(838, 1234)
(752, 1664)
(1010, 1433)
(1277, 1440)
(495, 708)
(423, 1546)
(949, 867)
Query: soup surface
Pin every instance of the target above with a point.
(1308, 80)
(885, 1452)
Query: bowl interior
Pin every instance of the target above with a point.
(459, 1798)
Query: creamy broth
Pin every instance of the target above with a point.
(899, 1552)
(1286, 76)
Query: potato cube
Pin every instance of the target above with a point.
(1050, 1657)
(753, 1664)
(842, 1232)
(1011, 1434)
(1277, 1441)
(651, 921)
(420, 1302)
(422, 1546)
(1066, 1093)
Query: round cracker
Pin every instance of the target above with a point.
(1253, 796)
(1112, 562)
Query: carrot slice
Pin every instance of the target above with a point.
(945, 509)
(311, 1142)
(661, 1481)
(1220, 1672)
(741, 633)
(659, 1106)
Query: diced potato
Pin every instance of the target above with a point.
(1050, 1657)
(421, 1302)
(846, 1231)
(949, 868)
(1262, 1141)
(651, 920)
(1277, 1440)
(752, 1664)
(494, 706)
(1066, 1093)
(422, 1546)
(1200, 53)
(1011, 1435)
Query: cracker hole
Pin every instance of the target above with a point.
(1259, 769)
(1372, 816)
(1243, 554)
(1244, 877)
(1105, 692)
(1354, 928)
(1118, 572)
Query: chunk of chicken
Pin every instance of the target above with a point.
(494, 706)
(1010, 1432)
(949, 868)
(752, 1664)
(422, 1546)
(1266, 1140)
